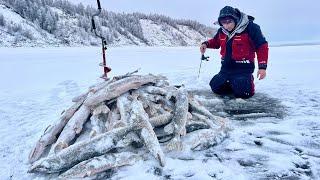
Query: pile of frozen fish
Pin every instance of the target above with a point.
(111, 124)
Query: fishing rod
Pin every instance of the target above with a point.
(106, 69)
(203, 58)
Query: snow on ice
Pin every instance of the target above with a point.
(275, 134)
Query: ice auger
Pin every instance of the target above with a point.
(106, 69)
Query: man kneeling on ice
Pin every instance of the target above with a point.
(239, 38)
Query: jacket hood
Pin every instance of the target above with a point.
(240, 26)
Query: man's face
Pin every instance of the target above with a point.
(228, 23)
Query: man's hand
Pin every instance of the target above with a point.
(261, 74)
(203, 48)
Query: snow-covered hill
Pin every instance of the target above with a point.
(60, 23)
(18, 31)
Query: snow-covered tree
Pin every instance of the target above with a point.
(28, 34)
(80, 9)
(2, 20)
(14, 29)
(49, 23)
(20, 7)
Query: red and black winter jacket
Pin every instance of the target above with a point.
(238, 53)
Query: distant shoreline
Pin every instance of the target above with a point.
(271, 44)
(282, 44)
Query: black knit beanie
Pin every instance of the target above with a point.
(229, 11)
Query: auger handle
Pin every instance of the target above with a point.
(99, 5)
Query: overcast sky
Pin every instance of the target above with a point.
(280, 20)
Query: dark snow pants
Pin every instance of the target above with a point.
(240, 85)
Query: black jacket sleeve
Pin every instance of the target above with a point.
(256, 35)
